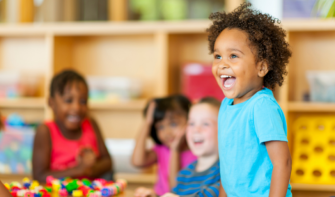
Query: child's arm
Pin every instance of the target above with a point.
(103, 163)
(141, 156)
(144, 192)
(174, 166)
(281, 160)
(222, 193)
(41, 158)
(4, 191)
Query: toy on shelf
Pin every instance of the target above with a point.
(67, 187)
(314, 150)
(16, 141)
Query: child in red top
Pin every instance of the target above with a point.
(71, 144)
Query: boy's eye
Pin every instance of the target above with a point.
(233, 56)
(160, 127)
(68, 100)
(217, 57)
(173, 124)
(206, 124)
(83, 101)
(191, 124)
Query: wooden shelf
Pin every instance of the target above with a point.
(138, 104)
(143, 27)
(311, 107)
(315, 24)
(32, 103)
(105, 28)
(26, 103)
(312, 187)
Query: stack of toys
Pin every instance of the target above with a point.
(66, 187)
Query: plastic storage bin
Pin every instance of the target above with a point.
(114, 88)
(198, 82)
(298, 8)
(16, 145)
(314, 150)
(15, 84)
(322, 85)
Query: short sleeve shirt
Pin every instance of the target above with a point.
(245, 165)
(163, 160)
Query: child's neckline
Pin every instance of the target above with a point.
(239, 105)
(63, 136)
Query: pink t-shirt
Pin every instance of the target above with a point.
(163, 156)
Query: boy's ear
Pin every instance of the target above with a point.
(263, 68)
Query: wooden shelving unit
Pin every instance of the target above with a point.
(154, 53)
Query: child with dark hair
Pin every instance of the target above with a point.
(250, 58)
(165, 121)
(71, 144)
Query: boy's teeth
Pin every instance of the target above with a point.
(225, 76)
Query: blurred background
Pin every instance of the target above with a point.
(133, 50)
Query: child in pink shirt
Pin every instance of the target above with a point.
(165, 121)
(71, 144)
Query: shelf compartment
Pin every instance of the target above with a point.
(311, 107)
(137, 104)
(22, 103)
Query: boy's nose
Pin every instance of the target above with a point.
(223, 66)
(75, 106)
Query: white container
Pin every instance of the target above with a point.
(110, 88)
(322, 85)
(121, 151)
(271, 7)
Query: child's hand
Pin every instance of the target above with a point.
(150, 113)
(144, 192)
(179, 141)
(170, 195)
(86, 157)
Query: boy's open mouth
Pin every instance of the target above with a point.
(73, 118)
(198, 141)
(228, 81)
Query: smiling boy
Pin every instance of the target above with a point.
(250, 56)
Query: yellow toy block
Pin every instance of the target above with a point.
(25, 180)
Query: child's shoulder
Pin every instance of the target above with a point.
(264, 99)
(188, 170)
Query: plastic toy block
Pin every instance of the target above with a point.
(77, 193)
(13, 193)
(86, 182)
(7, 186)
(37, 195)
(26, 185)
(25, 180)
(49, 179)
(49, 189)
(106, 191)
(28, 194)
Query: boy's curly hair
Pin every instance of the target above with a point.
(266, 38)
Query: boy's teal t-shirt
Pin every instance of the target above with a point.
(245, 165)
